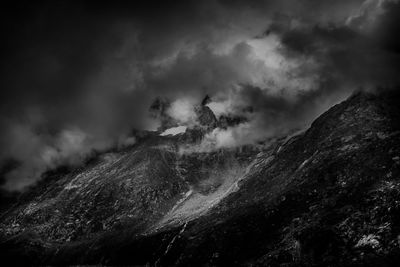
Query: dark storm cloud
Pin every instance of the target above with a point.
(79, 76)
(345, 55)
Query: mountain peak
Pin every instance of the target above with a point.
(206, 100)
(206, 117)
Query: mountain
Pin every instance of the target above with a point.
(327, 196)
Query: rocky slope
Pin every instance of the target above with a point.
(329, 196)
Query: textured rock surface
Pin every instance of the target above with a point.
(329, 196)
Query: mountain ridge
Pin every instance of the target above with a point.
(299, 202)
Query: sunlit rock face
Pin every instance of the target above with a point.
(326, 196)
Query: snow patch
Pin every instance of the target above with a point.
(174, 131)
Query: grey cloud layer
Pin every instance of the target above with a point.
(79, 78)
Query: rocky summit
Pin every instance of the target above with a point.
(326, 196)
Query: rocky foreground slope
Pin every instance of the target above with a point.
(329, 196)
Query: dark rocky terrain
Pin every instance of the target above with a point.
(327, 196)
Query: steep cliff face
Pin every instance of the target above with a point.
(328, 196)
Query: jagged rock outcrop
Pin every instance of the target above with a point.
(206, 117)
(328, 196)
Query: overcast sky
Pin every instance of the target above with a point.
(80, 76)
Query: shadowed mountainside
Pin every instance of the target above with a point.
(328, 196)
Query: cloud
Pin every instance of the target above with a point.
(223, 107)
(182, 110)
(78, 78)
(226, 138)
